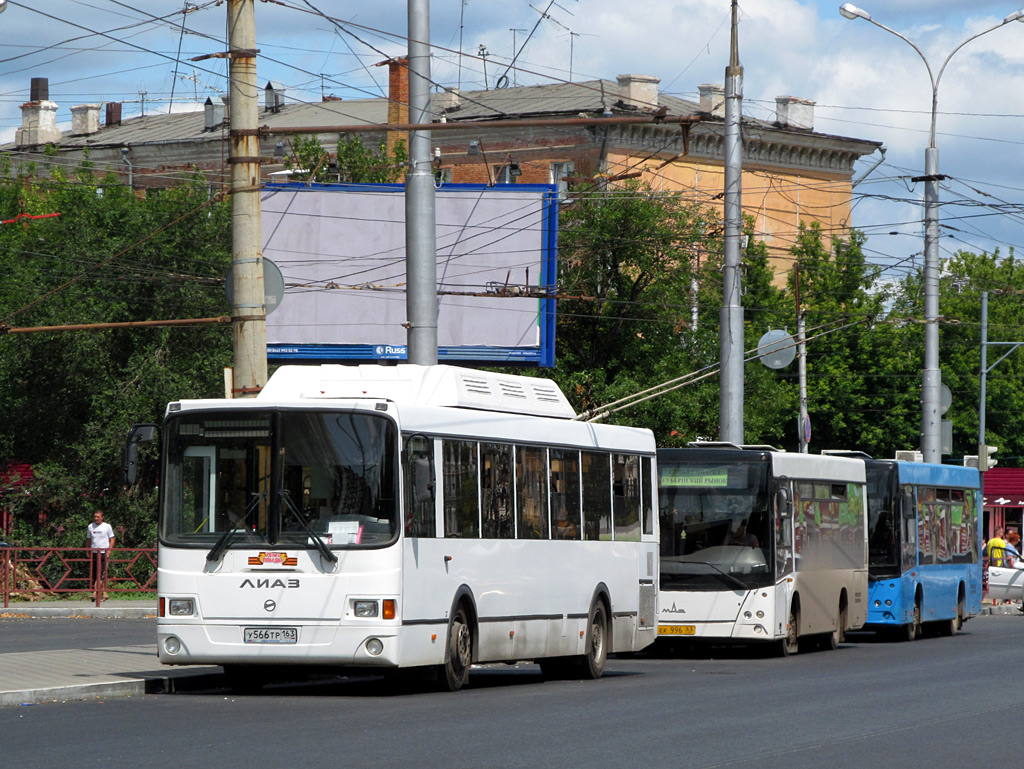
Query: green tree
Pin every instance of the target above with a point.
(636, 269)
(353, 162)
(964, 277)
(857, 392)
(68, 398)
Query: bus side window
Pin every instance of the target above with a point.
(460, 464)
(419, 487)
(597, 496)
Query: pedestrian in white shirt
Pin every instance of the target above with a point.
(100, 540)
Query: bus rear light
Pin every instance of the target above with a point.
(390, 611)
(888, 602)
(760, 614)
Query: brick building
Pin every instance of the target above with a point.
(791, 172)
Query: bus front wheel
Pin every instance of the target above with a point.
(454, 672)
(791, 643)
(912, 629)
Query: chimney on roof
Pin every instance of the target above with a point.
(712, 99)
(791, 112)
(38, 117)
(39, 89)
(113, 116)
(448, 100)
(640, 91)
(398, 98)
(273, 96)
(85, 119)
(214, 115)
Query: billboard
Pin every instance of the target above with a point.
(341, 251)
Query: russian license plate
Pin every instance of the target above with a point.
(677, 629)
(271, 635)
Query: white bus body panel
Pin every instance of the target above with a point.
(548, 586)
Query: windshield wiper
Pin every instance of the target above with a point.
(217, 549)
(320, 544)
(727, 575)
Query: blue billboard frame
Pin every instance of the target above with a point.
(542, 356)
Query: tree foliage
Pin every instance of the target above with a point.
(112, 255)
(353, 161)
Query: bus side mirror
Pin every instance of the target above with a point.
(140, 433)
(783, 503)
(907, 511)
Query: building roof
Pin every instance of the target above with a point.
(589, 98)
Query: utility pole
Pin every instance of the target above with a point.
(801, 356)
(730, 397)
(420, 216)
(249, 313)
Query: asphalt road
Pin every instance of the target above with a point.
(870, 704)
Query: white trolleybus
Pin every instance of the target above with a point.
(761, 546)
(405, 516)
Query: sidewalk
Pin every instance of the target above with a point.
(28, 678)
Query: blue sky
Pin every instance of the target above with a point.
(866, 82)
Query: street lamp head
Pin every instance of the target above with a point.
(1015, 16)
(850, 11)
(3, 5)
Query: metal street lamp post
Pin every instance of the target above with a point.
(931, 437)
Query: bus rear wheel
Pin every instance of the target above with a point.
(838, 635)
(454, 673)
(952, 627)
(593, 661)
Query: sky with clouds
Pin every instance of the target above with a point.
(867, 83)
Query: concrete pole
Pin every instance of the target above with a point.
(730, 397)
(801, 356)
(931, 415)
(420, 218)
(982, 377)
(249, 313)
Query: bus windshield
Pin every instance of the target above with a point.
(716, 530)
(258, 478)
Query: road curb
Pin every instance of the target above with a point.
(183, 681)
(103, 612)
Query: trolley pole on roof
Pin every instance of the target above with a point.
(420, 217)
(249, 313)
(731, 317)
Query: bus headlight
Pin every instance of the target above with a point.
(374, 646)
(172, 645)
(365, 609)
(181, 607)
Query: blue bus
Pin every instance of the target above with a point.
(924, 546)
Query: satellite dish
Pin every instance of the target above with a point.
(273, 285)
(777, 348)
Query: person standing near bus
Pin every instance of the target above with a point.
(100, 540)
(996, 548)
